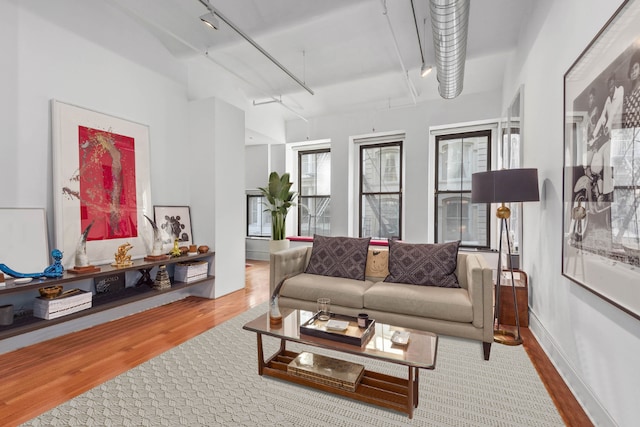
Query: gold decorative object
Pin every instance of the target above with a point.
(50, 291)
(122, 259)
(327, 370)
(175, 251)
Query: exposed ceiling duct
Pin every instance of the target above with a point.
(450, 25)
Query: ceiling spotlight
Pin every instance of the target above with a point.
(425, 70)
(210, 20)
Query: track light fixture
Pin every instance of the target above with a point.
(425, 70)
(210, 20)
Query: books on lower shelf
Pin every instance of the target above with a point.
(327, 370)
(190, 271)
(71, 302)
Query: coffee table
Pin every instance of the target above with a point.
(400, 394)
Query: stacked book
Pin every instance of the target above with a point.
(190, 271)
(67, 303)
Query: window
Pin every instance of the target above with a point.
(314, 199)
(458, 156)
(381, 190)
(258, 221)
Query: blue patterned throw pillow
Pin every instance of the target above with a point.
(338, 257)
(423, 264)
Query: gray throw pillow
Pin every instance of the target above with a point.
(423, 264)
(338, 257)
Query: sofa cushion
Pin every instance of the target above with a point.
(338, 257)
(310, 287)
(452, 304)
(423, 264)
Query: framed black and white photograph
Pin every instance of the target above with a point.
(174, 223)
(601, 186)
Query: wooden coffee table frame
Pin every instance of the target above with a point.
(399, 394)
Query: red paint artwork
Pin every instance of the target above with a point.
(107, 176)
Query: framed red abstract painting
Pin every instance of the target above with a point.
(101, 178)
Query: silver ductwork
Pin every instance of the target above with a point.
(450, 24)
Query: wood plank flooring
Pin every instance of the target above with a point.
(37, 378)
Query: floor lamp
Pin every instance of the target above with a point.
(505, 186)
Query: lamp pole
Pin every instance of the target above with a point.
(500, 335)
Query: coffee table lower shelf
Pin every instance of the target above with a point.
(383, 390)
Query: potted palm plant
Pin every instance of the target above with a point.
(279, 198)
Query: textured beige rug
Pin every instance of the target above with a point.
(212, 380)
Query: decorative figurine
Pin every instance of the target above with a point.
(82, 260)
(162, 279)
(54, 271)
(121, 257)
(156, 251)
(175, 252)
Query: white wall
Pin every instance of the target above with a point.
(44, 61)
(217, 187)
(594, 345)
(415, 123)
(87, 58)
(257, 170)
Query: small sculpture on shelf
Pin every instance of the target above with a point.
(162, 279)
(156, 251)
(122, 258)
(54, 271)
(176, 251)
(82, 265)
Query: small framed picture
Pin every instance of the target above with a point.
(174, 223)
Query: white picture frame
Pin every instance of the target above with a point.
(94, 155)
(24, 245)
(174, 222)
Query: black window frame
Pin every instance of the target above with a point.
(463, 135)
(399, 193)
(249, 197)
(302, 153)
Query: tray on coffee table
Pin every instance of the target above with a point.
(353, 334)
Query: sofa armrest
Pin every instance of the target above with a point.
(288, 262)
(480, 287)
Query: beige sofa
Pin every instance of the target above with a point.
(465, 312)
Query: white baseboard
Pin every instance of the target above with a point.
(591, 405)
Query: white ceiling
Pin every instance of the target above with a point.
(343, 50)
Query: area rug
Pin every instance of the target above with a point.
(212, 380)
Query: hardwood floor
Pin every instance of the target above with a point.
(37, 378)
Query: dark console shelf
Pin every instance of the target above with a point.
(131, 294)
(105, 270)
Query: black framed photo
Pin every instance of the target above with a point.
(601, 180)
(174, 223)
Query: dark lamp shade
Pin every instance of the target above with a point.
(504, 186)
